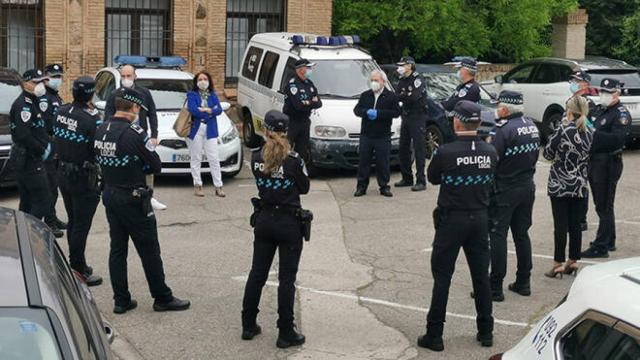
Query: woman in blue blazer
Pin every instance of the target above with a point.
(204, 106)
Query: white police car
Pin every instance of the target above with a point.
(599, 319)
(341, 75)
(168, 85)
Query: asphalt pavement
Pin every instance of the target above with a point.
(364, 281)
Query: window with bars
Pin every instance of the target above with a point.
(246, 18)
(21, 34)
(138, 27)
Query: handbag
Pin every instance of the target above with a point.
(183, 123)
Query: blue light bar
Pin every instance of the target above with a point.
(334, 40)
(150, 61)
(130, 60)
(297, 39)
(321, 40)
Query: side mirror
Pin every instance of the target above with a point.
(101, 105)
(499, 79)
(225, 106)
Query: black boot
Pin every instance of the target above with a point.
(121, 309)
(61, 224)
(386, 191)
(430, 342)
(486, 340)
(174, 305)
(521, 287)
(289, 337)
(249, 332)
(360, 192)
(419, 187)
(404, 183)
(55, 230)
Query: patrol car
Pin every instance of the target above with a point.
(341, 75)
(598, 319)
(168, 85)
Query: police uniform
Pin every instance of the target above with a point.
(469, 90)
(277, 227)
(464, 169)
(612, 127)
(517, 142)
(75, 130)
(30, 147)
(412, 93)
(126, 155)
(301, 97)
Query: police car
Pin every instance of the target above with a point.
(598, 319)
(168, 85)
(341, 75)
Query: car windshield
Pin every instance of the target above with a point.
(631, 79)
(342, 78)
(168, 94)
(26, 334)
(441, 85)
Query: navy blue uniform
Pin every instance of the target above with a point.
(301, 97)
(412, 94)
(148, 119)
(468, 91)
(49, 105)
(517, 142)
(464, 169)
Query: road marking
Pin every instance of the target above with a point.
(369, 300)
(512, 252)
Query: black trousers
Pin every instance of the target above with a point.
(51, 167)
(280, 231)
(33, 188)
(298, 135)
(511, 208)
(412, 132)
(604, 173)
(80, 202)
(467, 230)
(568, 213)
(127, 219)
(381, 148)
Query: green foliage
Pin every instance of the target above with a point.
(628, 48)
(605, 28)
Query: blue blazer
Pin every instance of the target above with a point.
(193, 103)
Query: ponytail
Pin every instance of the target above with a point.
(275, 151)
(579, 108)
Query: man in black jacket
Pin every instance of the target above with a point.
(377, 108)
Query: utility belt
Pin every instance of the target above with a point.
(88, 169)
(305, 217)
(440, 214)
(141, 194)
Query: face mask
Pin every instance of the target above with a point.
(308, 73)
(401, 70)
(126, 83)
(39, 90)
(574, 87)
(54, 83)
(203, 85)
(459, 75)
(497, 113)
(375, 86)
(606, 98)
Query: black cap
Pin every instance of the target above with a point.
(53, 70)
(509, 97)
(130, 95)
(303, 63)
(406, 60)
(276, 121)
(83, 88)
(468, 63)
(611, 85)
(467, 111)
(581, 76)
(34, 75)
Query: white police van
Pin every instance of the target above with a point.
(599, 318)
(341, 75)
(168, 85)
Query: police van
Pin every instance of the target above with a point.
(341, 75)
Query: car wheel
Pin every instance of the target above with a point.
(550, 125)
(248, 131)
(434, 138)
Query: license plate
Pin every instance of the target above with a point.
(185, 158)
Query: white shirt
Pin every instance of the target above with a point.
(376, 95)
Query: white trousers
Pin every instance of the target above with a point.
(199, 145)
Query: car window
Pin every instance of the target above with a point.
(9, 91)
(346, 78)
(631, 79)
(268, 69)
(287, 74)
(551, 73)
(105, 85)
(440, 85)
(591, 340)
(27, 334)
(167, 94)
(519, 75)
(251, 62)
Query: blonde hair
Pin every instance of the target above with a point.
(579, 107)
(275, 151)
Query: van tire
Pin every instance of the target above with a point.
(249, 136)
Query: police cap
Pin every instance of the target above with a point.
(467, 111)
(300, 63)
(468, 63)
(130, 95)
(509, 97)
(276, 121)
(83, 88)
(53, 70)
(34, 75)
(611, 85)
(406, 60)
(581, 76)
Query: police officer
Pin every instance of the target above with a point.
(49, 105)
(31, 145)
(125, 154)
(517, 142)
(75, 130)
(464, 170)
(281, 177)
(612, 126)
(301, 97)
(412, 93)
(469, 89)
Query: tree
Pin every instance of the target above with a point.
(605, 27)
(628, 48)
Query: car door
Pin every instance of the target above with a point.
(266, 98)
(548, 86)
(105, 85)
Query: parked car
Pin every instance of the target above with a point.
(544, 84)
(598, 319)
(46, 310)
(10, 89)
(168, 85)
(341, 75)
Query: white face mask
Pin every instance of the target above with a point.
(203, 85)
(401, 70)
(375, 86)
(54, 83)
(606, 98)
(497, 113)
(128, 83)
(39, 90)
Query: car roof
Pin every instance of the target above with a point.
(282, 42)
(588, 63)
(13, 290)
(426, 68)
(154, 73)
(10, 74)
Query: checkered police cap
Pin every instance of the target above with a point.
(510, 97)
(130, 95)
(467, 111)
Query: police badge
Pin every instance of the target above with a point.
(25, 116)
(417, 83)
(294, 90)
(43, 106)
(462, 93)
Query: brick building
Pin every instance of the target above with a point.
(85, 35)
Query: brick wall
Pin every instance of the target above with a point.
(311, 16)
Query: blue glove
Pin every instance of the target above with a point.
(372, 114)
(47, 152)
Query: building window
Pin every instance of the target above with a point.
(246, 18)
(21, 34)
(138, 27)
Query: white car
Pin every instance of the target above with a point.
(545, 88)
(599, 319)
(168, 86)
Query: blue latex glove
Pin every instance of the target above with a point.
(47, 152)
(372, 114)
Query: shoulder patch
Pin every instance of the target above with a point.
(293, 89)
(137, 128)
(417, 83)
(462, 93)
(294, 154)
(502, 123)
(25, 115)
(44, 105)
(92, 112)
(624, 119)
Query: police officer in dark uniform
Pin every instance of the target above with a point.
(49, 105)
(301, 97)
(125, 154)
(75, 130)
(464, 170)
(281, 177)
(469, 89)
(31, 146)
(612, 126)
(412, 93)
(517, 142)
